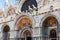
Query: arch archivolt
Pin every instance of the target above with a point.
(48, 23)
(24, 30)
(46, 16)
(23, 19)
(4, 26)
(21, 3)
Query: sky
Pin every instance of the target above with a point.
(2, 3)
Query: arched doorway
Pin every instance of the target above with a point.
(6, 29)
(23, 23)
(53, 34)
(26, 35)
(48, 24)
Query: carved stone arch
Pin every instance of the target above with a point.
(42, 20)
(5, 32)
(4, 26)
(27, 3)
(48, 23)
(19, 16)
(23, 16)
(26, 34)
(23, 30)
(21, 3)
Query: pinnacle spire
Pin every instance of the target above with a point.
(6, 2)
(0, 5)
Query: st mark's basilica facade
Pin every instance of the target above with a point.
(30, 20)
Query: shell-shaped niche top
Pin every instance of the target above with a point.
(28, 3)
